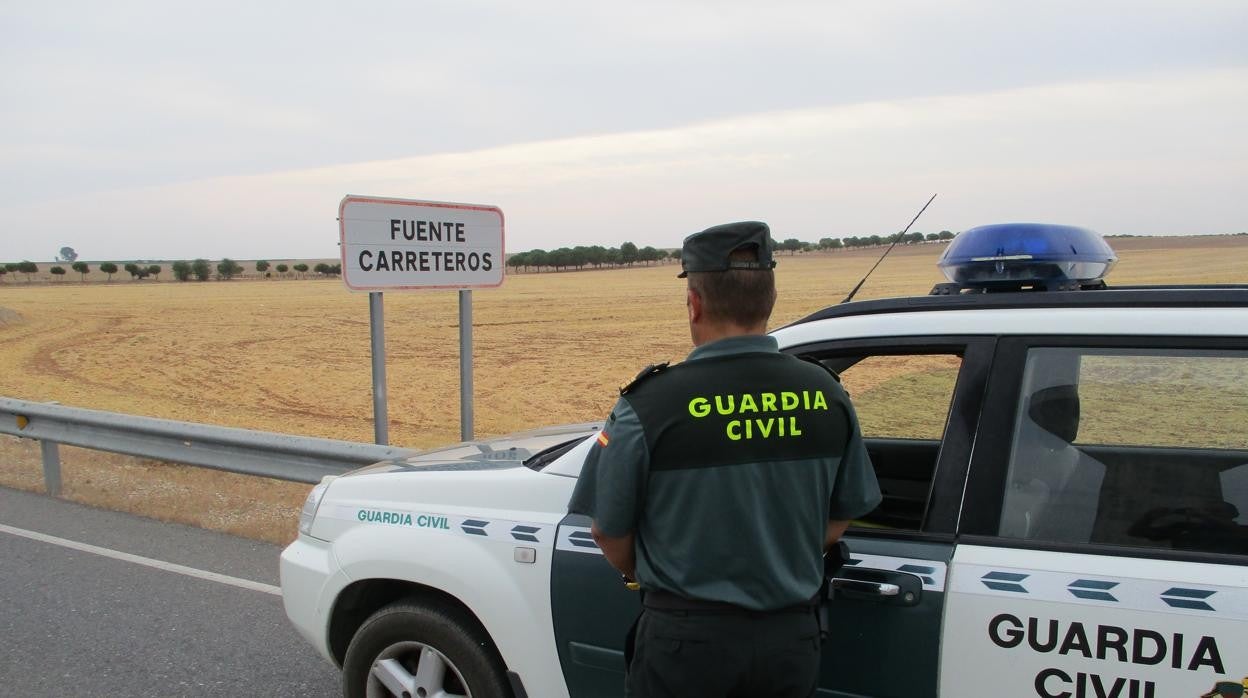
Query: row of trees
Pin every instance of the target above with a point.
(793, 245)
(579, 257)
(628, 254)
(596, 256)
(199, 269)
(876, 240)
(227, 269)
(27, 268)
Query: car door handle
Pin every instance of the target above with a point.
(860, 587)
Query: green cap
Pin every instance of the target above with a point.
(711, 249)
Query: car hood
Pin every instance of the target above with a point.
(510, 451)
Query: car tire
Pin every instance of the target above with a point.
(416, 650)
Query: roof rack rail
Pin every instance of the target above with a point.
(1160, 296)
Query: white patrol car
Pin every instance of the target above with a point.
(1065, 513)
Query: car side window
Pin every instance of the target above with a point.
(902, 402)
(902, 396)
(1131, 447)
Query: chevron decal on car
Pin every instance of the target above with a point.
(923, 571)
(1188, 598)
(525, 533)
(1005, 581)
(1092, 589)
(505, 530)
(582, 539)
(931, 572)
(577, 539)
(1139, 594)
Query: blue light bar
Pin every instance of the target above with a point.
(1017, 255)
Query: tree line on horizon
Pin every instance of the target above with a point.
(628, 254)
(579, 257)
(182, 270)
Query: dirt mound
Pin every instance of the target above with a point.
(9, 317)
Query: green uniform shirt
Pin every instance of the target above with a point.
(727, 467)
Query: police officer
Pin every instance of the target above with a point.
(719, 482)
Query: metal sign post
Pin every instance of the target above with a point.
(402, 244)
(377, 344)
(465, 365)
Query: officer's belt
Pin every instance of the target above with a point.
(666, 601)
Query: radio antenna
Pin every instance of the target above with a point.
(896, 240)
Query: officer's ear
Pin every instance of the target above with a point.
(694, 302)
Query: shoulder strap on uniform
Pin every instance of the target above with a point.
(651, 370)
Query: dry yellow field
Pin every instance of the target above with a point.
(293, 356)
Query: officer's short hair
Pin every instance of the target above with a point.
(744, 297)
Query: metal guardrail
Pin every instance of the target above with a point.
(261, 453)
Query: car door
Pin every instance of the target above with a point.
(1105, 552)
(592, 611)
(917, 400)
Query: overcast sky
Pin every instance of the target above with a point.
(175, 130)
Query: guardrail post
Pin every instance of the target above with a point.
(51, 466)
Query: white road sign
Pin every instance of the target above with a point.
(390, 244)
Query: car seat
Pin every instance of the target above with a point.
(1054, 488)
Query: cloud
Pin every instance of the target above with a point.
(258, 87)
(1159, 154)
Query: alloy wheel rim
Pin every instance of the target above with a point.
(413, 669)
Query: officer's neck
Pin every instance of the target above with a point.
(705, 333)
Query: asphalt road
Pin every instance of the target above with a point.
(79, 623)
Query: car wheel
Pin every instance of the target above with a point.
(412, 650)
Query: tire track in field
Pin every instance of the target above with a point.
(287, 405)
(45, 342)
(42, 360)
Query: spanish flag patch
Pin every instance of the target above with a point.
(602, 439)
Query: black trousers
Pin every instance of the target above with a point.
(694, 654)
